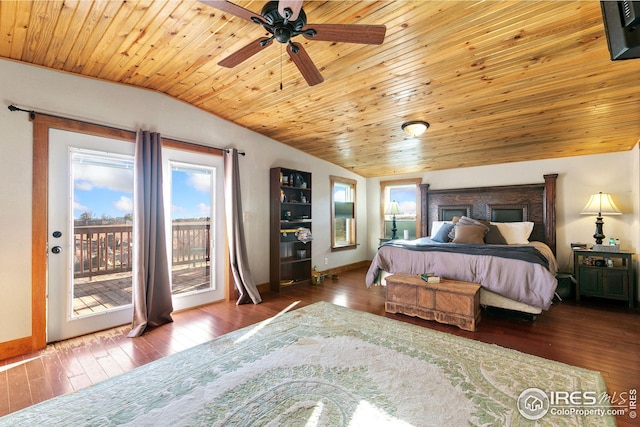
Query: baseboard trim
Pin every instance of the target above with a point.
(264, 287)
(16, 347)
(347, 267)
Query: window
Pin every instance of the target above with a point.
(102, 210)
(407, 194)
(192, 203)
(343, 213)
(192, 198)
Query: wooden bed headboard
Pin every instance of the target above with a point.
(508, 203)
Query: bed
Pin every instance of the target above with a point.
(515, 265)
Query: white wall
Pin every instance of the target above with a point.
(578, 178)
(16, 156)
(129, 108)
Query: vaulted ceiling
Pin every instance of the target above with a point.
(498, 81)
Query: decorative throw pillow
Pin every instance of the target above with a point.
(465, 220)
(442, 235)
(470, 221)
(494, 237)
(435, 226)
(469, 234)
(515, 233)
(454, 221)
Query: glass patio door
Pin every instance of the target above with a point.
(90, 229)
(192, 189)
(89, 234)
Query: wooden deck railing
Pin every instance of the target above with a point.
(107, 249)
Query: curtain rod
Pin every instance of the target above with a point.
(32, 116)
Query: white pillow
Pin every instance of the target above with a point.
(435, 226)
(515, 233)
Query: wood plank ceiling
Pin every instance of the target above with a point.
(499, 81)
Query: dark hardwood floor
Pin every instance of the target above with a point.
(593, 334)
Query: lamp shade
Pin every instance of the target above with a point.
(415, 128)
(393, 209)
(601, 204)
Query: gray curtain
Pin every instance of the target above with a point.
(152, 304)
(244, 282)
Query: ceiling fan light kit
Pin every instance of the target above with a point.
(284, 20)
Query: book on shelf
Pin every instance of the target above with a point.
(430, 278)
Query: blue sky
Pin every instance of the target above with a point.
(104, 187)
(191, 194)
(406, 198)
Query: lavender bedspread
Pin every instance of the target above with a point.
(528, 282)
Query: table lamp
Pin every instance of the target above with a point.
(393, 209)
(600, 204)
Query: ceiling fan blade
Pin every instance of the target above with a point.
(305, 64)
(366, 34)
(245, 53)
(234, 9)
(294, 5)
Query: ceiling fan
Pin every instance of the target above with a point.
(284, 20)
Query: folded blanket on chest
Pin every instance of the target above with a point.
(522, 253)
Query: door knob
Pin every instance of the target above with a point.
(56, 249)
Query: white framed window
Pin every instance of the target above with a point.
(407, 194)
(343, 213)
(193, 203)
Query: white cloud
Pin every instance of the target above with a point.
(87, 177)
(177, 209)
(83, 185)
(200, 181)
(125, 204)
(204, 209)
(78, 207)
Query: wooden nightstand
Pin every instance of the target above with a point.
(605, 275)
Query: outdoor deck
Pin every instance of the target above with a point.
(103, 262)
(100, 293)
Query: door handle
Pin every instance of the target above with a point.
(56, 249)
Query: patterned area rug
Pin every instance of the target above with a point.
(325, 365)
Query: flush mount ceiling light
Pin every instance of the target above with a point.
(415, 128)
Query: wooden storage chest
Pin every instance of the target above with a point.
(450, 301)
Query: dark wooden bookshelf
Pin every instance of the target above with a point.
(290, 205)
